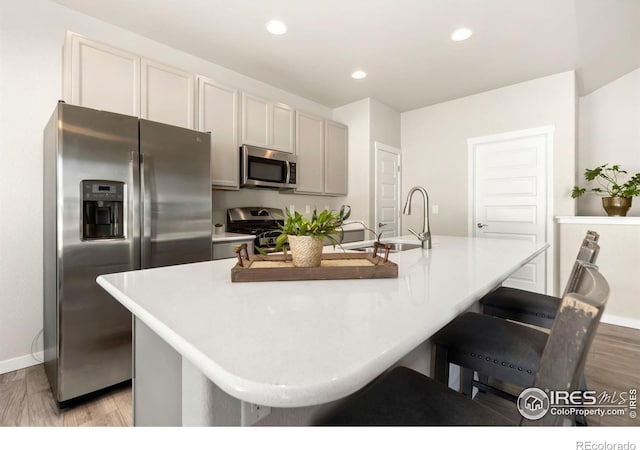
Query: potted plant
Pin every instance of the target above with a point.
(617, 195)
(306, 236)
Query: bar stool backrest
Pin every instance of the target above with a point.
(572, 333)
(588, 254)
(592, 236)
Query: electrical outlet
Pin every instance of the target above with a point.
(307, 209)
(252, 413)
(292, 208)
(435, 209)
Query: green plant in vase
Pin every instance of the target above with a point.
(617, 196)
(306, 236)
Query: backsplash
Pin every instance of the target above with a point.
(222, 200)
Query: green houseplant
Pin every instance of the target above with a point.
(306, 236)
(617, 196)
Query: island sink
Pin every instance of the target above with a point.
(395, 247)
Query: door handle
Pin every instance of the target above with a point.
(382, 224)
(132, 213)
(482, 225)
(145, 200)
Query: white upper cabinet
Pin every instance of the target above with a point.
(167, 94)
(101, 77)
(310, 151)
(322, 149)
(218, 113)
(335, 158)
(267, 124)
(283, 123)
(255, 120)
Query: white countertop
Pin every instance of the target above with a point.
(600, 220)
(299, 343)
(231, 237)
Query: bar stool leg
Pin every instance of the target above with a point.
(466, 381)
(440, 369)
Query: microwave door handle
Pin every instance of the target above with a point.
(245, 165)
(286, 181)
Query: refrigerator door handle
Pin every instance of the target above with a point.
(132, 214)
(145, 196)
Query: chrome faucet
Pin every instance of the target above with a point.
(425, 236)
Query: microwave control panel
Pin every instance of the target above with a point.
(292, 173)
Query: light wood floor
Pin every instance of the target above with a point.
(613, 365)
(25, 399)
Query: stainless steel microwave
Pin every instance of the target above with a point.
(261, 167)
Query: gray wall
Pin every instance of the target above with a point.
(434, 143)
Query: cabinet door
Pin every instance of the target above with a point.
(218, 113)
(310, 151)
(255, 120)
(223, 250)
(167, 94)
(283, 121)
(335, 162)
(101, 77)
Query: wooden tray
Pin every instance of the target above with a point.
(334, 266)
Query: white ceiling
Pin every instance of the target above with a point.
(403, 45)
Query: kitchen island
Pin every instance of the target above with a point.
(207, 351)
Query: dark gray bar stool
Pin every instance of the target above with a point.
(531, 307)
(405, 397)
(494, 347)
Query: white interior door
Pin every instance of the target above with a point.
(510, 195)
(387, 201)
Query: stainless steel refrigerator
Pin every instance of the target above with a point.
(120, 194)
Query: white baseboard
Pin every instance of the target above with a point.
(9, 365)
(621, 321)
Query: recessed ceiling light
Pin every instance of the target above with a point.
(461, 34)
(276, 27)
(359, 74)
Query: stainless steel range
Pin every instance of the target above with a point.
(262, 222)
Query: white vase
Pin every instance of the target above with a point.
(306, 251)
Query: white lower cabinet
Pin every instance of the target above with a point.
(223, 250)
(218, 113)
